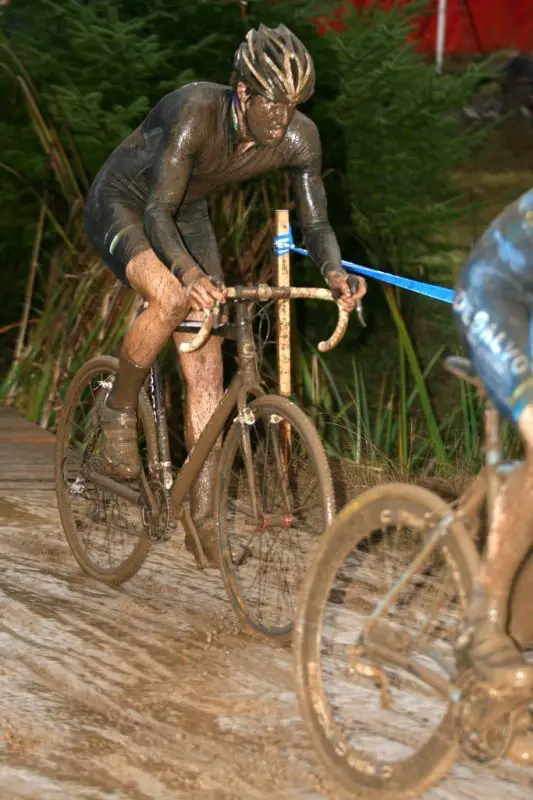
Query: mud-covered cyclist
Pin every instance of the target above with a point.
(146, 215)
(494, 310)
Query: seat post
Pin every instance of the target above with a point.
(493, 452)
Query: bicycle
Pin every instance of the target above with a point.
(273, 479)
(380, 608)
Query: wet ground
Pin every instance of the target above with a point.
(150, 690)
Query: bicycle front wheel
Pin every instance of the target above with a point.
(380, 728)
(274, 500)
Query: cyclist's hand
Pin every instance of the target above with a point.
(202, 293)
(346, 289)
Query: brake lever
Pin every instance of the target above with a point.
(353, 283)
(360, 315)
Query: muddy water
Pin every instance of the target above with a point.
(150, 691)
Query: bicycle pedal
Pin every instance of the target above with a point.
(375, 673)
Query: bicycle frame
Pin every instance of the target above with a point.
(245, 383)
(484, 487)
(487, 483)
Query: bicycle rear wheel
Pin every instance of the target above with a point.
(271, 508)
(374, 750)
(107, 535)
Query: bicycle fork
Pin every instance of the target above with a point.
(246, 419)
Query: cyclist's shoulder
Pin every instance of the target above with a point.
(303, 139)
(194, 99)
(190, 114)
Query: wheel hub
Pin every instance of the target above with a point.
(265, 521)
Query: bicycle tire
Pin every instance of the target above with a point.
(289, 411)
(131, 565)
(351, 526)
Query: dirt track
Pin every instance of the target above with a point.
(149, 691)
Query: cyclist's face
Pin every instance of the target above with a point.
(267, 121)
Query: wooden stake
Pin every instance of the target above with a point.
(284, 309)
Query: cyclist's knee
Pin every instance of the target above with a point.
(525, 427)
(162, 290)
(172, 305)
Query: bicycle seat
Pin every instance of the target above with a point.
(463, 369)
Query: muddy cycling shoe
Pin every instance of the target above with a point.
(201, 502)
(119, 449)
(494, 658)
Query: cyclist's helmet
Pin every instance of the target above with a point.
(273, 62)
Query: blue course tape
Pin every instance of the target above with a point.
(427, 289)
(283, 244)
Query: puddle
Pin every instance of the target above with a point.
(15, 512)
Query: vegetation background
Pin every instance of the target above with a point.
(410, 185)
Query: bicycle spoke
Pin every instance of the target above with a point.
(269, 544)
(107, 535)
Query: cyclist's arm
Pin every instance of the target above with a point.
(311, 204)
(171, 172)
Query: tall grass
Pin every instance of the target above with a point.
(78, 307)
(392, 431)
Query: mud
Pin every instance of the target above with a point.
(150, 690)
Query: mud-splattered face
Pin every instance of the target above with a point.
(266, 122)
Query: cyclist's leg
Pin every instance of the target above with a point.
(202, 378)
(495, 318)
(115, 228)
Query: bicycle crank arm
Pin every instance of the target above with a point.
(377, 674)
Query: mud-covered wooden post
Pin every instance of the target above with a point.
(284, 308)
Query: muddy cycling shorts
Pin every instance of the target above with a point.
(115, 228)
(493, 308)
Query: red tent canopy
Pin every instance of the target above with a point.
(472, 26)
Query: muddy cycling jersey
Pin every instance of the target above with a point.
(494, 307)
(152, 190)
